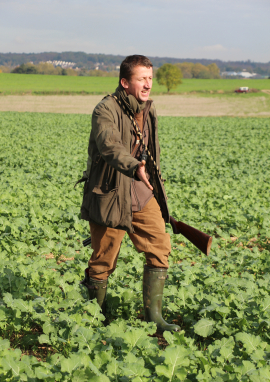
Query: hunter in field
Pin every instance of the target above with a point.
(124, 190)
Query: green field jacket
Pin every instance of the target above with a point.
(110, 167)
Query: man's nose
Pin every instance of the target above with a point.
(147, 84)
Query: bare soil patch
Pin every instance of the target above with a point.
(172, 105)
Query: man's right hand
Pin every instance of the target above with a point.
(140, 172)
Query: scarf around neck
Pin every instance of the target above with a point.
(130, 100)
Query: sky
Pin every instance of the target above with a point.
(228, 30)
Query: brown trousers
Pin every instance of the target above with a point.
(149, 237)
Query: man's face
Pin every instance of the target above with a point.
(140, 83)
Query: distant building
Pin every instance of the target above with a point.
(62, 64)
(243, 74)
(246, 74)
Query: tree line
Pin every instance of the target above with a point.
(89, 61)
(191, 70)
(187, 69)
(171, 75)
(47, 68)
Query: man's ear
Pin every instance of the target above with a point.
(124, 83)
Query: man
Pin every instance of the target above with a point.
(124, 190)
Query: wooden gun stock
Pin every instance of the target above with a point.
(201, 240)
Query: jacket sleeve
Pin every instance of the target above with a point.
(154, 120)
(109, 143)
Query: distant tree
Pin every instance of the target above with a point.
(58, 70)
(71, 72)
(199, 68)
(191, 70)
(31, 69)
(19, 69)
(204, 74)
(113, 73)
(169, 75)
(186, 68)
(5, 69)
(97, 73)
(83, 72)
(26, 69)
(46, 68)
(214, 70)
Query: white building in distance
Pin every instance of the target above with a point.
(63, 64)
(243, 74)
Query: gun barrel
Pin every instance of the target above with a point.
(200, 239)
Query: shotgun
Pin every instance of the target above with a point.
(201, 240)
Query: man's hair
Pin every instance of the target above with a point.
(129, 63)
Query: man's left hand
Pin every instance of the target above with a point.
(140, 172)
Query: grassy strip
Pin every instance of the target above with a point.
(65, 85)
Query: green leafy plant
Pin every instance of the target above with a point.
(50, 332)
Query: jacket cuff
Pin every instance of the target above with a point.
(134, 173)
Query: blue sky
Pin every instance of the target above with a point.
(222, 29)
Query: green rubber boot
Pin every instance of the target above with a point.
(96, 289)
(153, 284)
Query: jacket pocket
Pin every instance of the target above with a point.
(104, 207)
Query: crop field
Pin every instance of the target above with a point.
(38, 84)
(217, 172)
